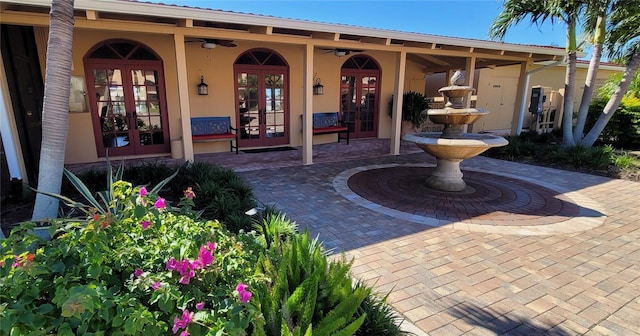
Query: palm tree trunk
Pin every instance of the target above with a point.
(567, 114)
(592, 72)
(613, 103)
(55, 109)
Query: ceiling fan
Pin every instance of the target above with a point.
(212, 43)
(339, 52)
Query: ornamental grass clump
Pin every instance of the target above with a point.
(147, 268)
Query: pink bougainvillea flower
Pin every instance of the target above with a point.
(183, 267)
(172, 264)
(211, 246)
(197, 264)
(138, 272)
(184, 333)
(186, 278)
(205, 256)
(244, 294)
(189, 193)
(199, 305)
(182, 322)
(156, 285)
(145, 224)
(160, 203)
(143, 191)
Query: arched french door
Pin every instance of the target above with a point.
(261, 85)
(359, 98)
(128, 104)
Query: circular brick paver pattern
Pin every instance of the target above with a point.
(490, 203)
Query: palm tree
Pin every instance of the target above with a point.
(55, 109)
(623, 42)
(539, 11)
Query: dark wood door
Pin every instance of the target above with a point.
(129, 108)
(26, 88)
(262, 112)
(359, 102)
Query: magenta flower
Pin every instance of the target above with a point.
(211, 246)
(199, 305)
(196, 264)
(172, 264)
(189, 193)
(138, 272)
(145, 224)
(244, 294)
(143, 191)
(186, 278)
(184, 333)
(205, 256)
(184, 267)
(182, 322)
(156, 285)
(160, 203)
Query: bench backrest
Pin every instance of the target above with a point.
(325, 119)
(210, 125)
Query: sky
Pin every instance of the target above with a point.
(468, 18)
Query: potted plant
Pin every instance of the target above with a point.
(414, 115)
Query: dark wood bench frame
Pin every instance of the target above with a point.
(204, 129)
(329, 123)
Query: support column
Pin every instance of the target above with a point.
(396, 119)
(469, 75)
(521, 99)
(307, 109)
(183, 96)
(8, 131)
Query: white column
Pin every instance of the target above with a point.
(469, 75)
(307, 110)
(521, 99)
(9, 132)
(396, 119)
(183, 96)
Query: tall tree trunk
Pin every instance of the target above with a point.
(567, 114)
(55, 109)
(592, 72)
(613, 103)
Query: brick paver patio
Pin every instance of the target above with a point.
(450, 280)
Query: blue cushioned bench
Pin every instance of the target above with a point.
(329, 122)
(214, 129)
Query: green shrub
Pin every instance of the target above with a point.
(143, 270)
(380, 318)
(623, 129)
(222, 194)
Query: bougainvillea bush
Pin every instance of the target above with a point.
(147, 268)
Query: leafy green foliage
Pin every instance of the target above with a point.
(221, 193)
(380, 318)
(623, 129)
(308, 294)
(111, 274)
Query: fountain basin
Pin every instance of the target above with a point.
(450, 116)
(467, 146)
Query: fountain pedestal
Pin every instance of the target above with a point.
(453, 145)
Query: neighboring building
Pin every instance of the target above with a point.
(137, 67)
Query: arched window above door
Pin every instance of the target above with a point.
(123, 50)
(260, 57)
(360, 62)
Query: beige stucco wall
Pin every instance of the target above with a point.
(216, 65)
(497, 89)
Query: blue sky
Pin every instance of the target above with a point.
(469, 19)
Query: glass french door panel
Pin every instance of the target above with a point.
(147, 107)
(249, 107)
(348, 100)
(274, 113)
(367, 103)
(110, 107)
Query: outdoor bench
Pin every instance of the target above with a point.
(214, 129)
(328, 123)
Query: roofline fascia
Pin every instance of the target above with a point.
(180, 12)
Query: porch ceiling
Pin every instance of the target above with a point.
(435, 53)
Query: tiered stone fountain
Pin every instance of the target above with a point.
(453, 145)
